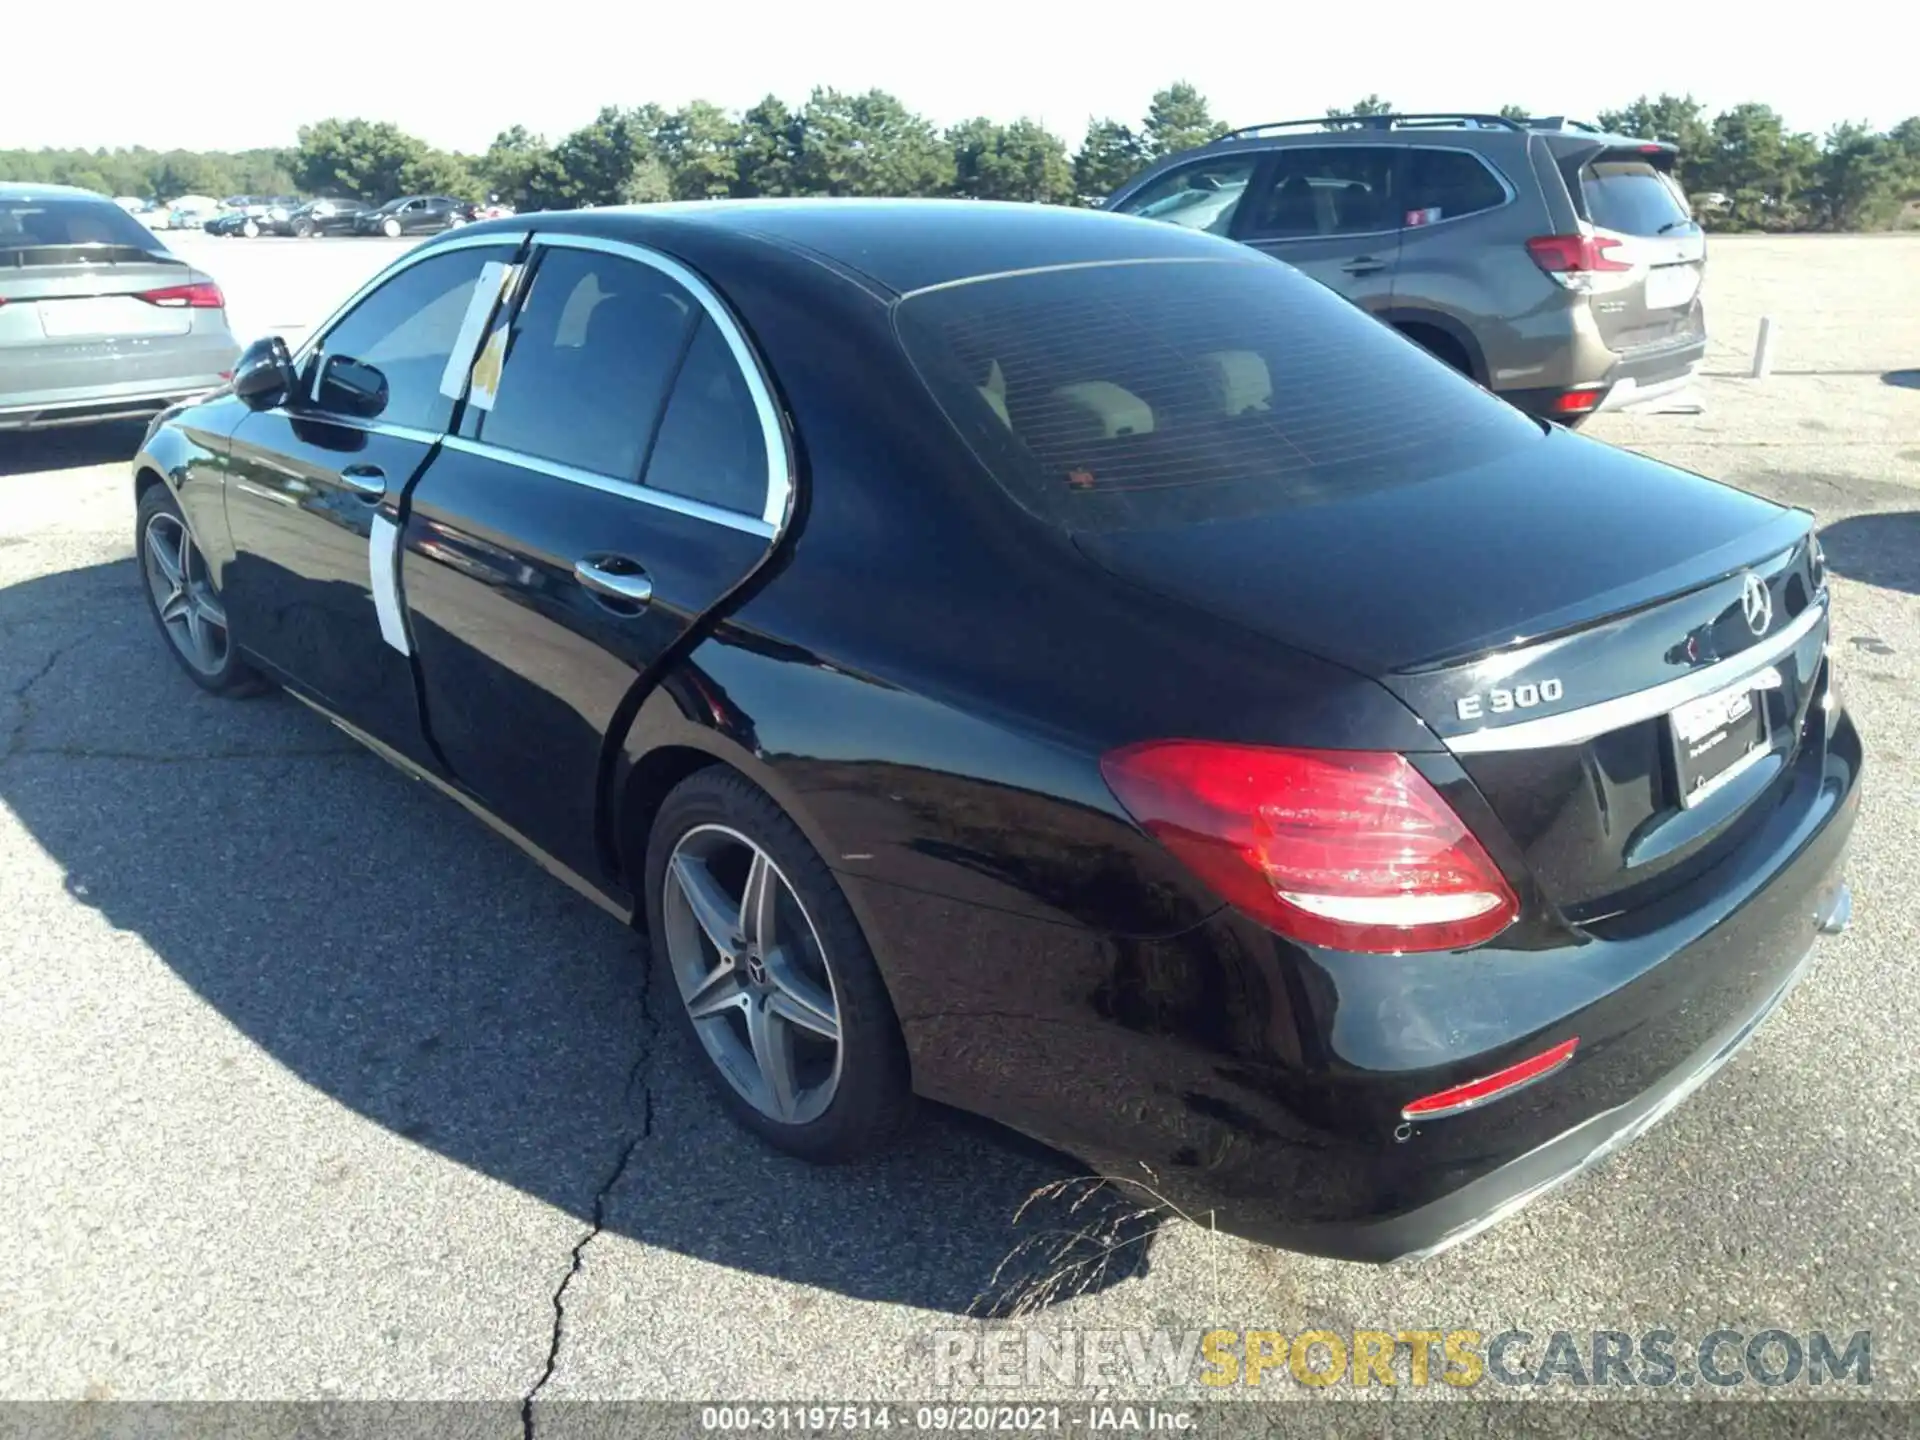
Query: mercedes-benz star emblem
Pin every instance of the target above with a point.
(1756, 604)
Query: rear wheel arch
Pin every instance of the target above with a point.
(1444, 337)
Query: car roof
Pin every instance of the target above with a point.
(31, 190)
(901, 245)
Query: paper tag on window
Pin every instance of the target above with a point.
(486, 370)
(486, 290)
(1423, 217)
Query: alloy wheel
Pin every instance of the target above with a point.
(183, 597)
(753, 974)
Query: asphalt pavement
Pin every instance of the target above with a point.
(312, 1087)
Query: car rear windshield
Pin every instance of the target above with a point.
(42, 224)
(1631, 197)
(1137, 396)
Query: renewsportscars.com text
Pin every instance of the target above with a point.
(1033, 1360)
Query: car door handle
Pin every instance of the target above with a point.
(369, 482)
(614, 577)
(1364, 265)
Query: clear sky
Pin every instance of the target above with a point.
(231, 76)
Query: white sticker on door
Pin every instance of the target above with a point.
(383, 563)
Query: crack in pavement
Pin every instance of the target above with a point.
(24, 692)
(638, 1077)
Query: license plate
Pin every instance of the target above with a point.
(1716, 737)
(110, 315)
(1670, 286)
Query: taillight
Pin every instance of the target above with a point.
(1578, 401)
(1573, 260)
(1353, 850)
(201, 295)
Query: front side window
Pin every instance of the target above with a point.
(1446, 184)
(587, 364)
(1201, 196)
(407, 329)
(1119, 397)
(1326, 190)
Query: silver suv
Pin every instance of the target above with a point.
(1557, 264)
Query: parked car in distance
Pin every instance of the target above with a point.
(320, 217)
(190, 212)
(1181, 768)
(98, 320)
(1558, 265)
(252, 215)
(414, 215)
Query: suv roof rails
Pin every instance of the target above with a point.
(1562, 122)
(1454, 118)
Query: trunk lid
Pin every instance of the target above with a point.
(1544, 614)
(57, 296)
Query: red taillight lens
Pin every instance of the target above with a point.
(201, 295)
(1490, 1087)
(1575, 254)
(1576, 402)
(1349, 849)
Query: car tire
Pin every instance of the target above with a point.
(844, 1098)
(391, 229)
(182, 600)
(303, 229)
(250, 229)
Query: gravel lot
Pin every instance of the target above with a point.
(310, 1087)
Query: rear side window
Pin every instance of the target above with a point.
(593, 349)
(1202, 196)
(1631, 197)
(710, 446)
(1122, 396)
(1325, 190)
(27, 225)
(1446, 184)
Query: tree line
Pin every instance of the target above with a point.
(870, 143)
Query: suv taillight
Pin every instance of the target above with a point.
(1353, 850)
(201, 295)
(1573, 260)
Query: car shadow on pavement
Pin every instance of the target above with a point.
(30, 452)
(1880, 547)
(395, 955)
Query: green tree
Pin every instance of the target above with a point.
(1678, 120)
(1178, 118)
(603, 163)
(869, 144)
(510, 164)
(364, 159)
(1021, 161)
(1859, 181)
(1760, 166)
(701, 147)
(1109, 156)
(1514, 112)
(1368, 105)
(769, 144)
(439, 172)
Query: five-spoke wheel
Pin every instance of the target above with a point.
(184, 600)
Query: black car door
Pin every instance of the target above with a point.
(618, 467)
(313, 489)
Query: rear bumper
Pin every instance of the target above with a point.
(114, 379)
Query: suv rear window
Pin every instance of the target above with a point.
(61, 220)
(1631, 197)
(1135, 396)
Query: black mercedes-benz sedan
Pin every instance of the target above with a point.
(1060, 665)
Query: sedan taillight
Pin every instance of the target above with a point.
(201, 295)
(1353, 850)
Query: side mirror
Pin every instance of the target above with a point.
(347, 387)
(263, 376)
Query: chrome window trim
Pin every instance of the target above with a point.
(625, 489)
(1575, 727)
(778, 502)
(365, 427)
(1506, 187)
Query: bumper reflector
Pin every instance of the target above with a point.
(1490, 1087)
